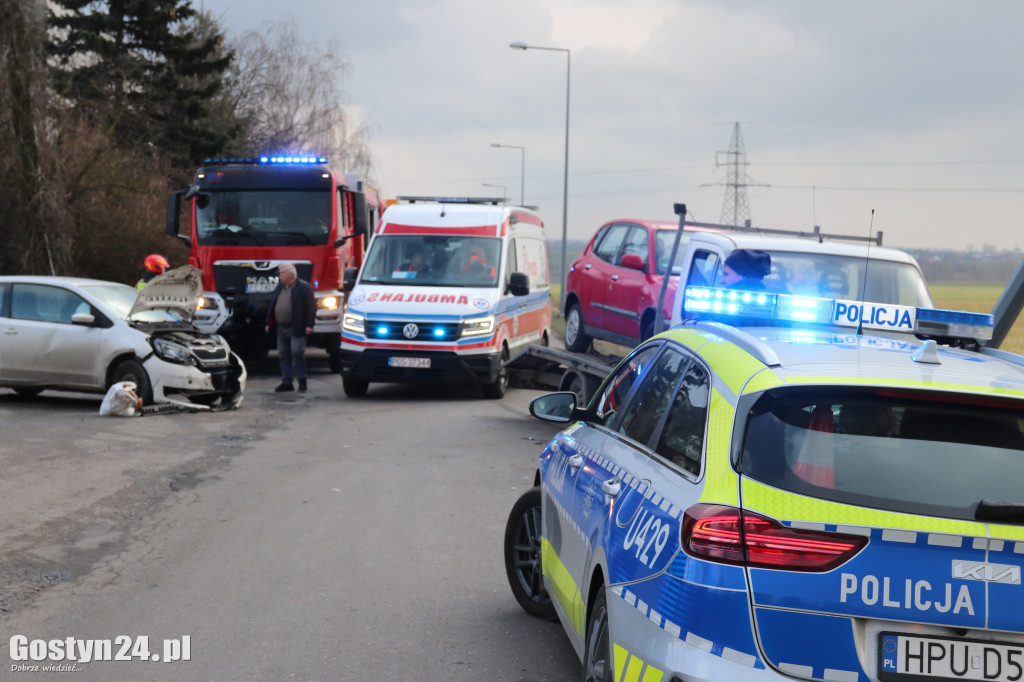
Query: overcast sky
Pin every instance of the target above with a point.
(911, 108)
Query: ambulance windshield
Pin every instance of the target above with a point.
(936, 454)
(433, 260)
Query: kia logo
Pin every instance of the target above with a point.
(990, 573)
(410, 331)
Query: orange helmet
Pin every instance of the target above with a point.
(156, 263)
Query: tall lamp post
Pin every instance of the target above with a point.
(565, 177)
(504, 193)
(522, 170)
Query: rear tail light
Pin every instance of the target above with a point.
(732, 536)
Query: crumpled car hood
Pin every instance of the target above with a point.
(176, 290)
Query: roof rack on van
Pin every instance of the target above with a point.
(455, 200)
(816, 233)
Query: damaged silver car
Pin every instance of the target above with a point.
(72, 334)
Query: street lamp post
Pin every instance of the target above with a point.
(565, 177)
(522, 170)
(504, 193)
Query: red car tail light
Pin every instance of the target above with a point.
(733, 536)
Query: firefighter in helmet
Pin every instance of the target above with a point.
(154, 265)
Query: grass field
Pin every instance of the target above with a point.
(978, 297)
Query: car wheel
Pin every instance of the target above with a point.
(26, 392)
(577, 384)
(575, 339)
(597, 660)
(354, 388)
(497, 388)
(523, 554)
(131, 370)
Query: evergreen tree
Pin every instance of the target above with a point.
(139, 69)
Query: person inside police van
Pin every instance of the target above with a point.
(745, 269)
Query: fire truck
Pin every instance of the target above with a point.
(246, 216)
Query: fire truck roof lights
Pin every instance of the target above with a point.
(293, 160)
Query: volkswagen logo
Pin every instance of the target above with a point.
(410, 331)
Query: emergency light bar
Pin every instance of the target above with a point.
(705, 301)
(301, 160)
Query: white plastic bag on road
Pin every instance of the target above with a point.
(121, 400)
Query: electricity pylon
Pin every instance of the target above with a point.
(735, 206)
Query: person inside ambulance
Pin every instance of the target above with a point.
(745, 269)
(476, 263)
(417, 262)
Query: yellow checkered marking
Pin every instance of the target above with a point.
(629, 667)
(720, 481)
(780, 504)
(567, 592)
(732, 365)
(762, 381)
(902, 383)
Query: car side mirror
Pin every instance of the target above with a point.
(84, 319)
(633, 261)
(518, 284)
(348, 282)
(556, 407)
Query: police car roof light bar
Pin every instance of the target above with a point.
(790, 309)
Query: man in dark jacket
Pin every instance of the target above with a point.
(293, 313)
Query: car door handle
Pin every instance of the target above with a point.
(615, 277)
(10, 331)
(612, 486)
(576, 461)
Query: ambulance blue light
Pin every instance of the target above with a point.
(382, 330)
(439, 332)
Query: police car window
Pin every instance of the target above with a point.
(682, 438)
(611, 399)
(664, 240)
(888, 450)
(645, 411)
(610, 244)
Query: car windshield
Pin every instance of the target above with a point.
(433, 260)
(843, 277)
(263, 217)
(120, 299)
(935, 454)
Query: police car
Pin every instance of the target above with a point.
(786, 488)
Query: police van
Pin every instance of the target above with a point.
(451, 289)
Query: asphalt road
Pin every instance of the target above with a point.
(303, 536)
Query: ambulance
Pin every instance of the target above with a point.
(451, 289)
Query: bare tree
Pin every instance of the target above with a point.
(288, 92)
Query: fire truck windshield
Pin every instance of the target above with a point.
(433, 260)
(263, 217)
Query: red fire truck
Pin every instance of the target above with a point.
(246, 216)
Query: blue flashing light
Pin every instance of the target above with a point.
(288, 159)
(954, 317)
(439, 332)
(382, 330)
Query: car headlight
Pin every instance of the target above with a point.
(328, 302)
(477, 326)
(205, 303)
(173, 352)
(353, 323)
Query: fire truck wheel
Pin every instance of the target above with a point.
(575, 339)
(497, 388)
(354, 388)
(131, 370)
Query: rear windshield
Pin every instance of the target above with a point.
(936, 454)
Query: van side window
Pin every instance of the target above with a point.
(510, 261)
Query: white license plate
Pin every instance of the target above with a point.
(905, 657)
(416, 363)
(260, 287)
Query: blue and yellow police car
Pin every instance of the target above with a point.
(786, 488)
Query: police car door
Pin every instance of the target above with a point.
(594, 468)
